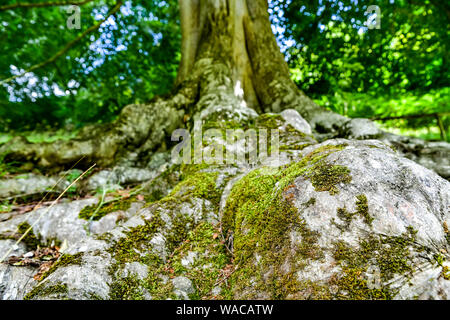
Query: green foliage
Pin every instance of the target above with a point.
(131, 58)
(333, 49)
(369, 105)
(399, 69)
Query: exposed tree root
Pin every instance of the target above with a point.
(139, 129)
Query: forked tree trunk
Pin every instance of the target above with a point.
(237, 35)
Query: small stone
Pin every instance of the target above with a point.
(295, 119)
(28, 254)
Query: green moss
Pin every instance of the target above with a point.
(439, 258)
(353, 286)
(227, 124)
(104, 237)
(324, 151)
(345, 216)
(294, 146)
(30, 240)
(199, 185)
(43, 291)
(128, 288)
(290, 129)
(206, 269)
(137, 239)
(326, 177)
(155, 195)
(187, 170)
(180, 228)
(292, 139)
(132, 288)
(323, 175)
(259, 213)
(93, 296)
(390, 254)
(259, 218)
(445, 272)
(310, 202)
(117, 205)
(136, 246)
(182, 235)
(262, 220)
(269, 121)
(160, 186)
(362, 209)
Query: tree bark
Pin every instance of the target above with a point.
(237, 34)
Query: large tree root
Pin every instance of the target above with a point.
(138, 130)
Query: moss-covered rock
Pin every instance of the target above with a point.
(95, 213)
(338, 220)
(54, 292)
(314, 229)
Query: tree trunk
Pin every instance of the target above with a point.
(235, 38)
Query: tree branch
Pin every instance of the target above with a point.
(43, 4)
(68, 46)
(411, 116)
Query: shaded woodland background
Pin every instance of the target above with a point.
(399, 70)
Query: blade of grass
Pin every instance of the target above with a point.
(57, 182)
(41, 215)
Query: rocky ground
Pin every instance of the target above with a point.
(332, 218)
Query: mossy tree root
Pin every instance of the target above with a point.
(139, 130)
